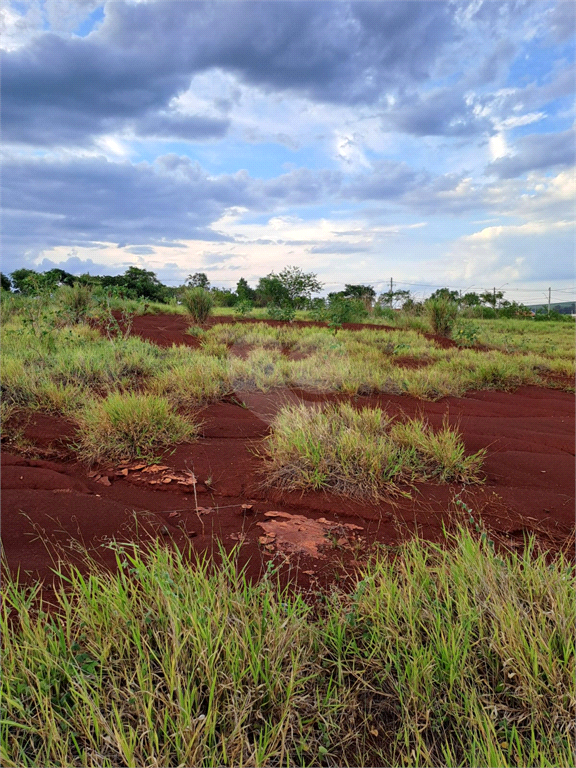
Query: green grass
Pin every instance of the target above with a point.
(52, 366)
(125, 426)
(361, 453)
(452, 656)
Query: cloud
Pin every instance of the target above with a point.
(441, 112)
(90, 200)
(388, 180)
(61, 89)
(140, 250)
(341, 248)
(536, 152)
(515, 253)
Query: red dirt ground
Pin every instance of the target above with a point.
(56, 505)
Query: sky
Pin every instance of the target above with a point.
(431, 143)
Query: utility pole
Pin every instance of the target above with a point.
(549, 298)
(494, 297)
(391, 292)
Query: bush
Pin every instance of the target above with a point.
(385, 313)
(285, 312)
(442, 314)
(362, 453)
(75, 301)
(243, 307)
(342, 310)
(198, 302)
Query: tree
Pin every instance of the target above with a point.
(298, 285)
(198, 280)
(142, 283)
(223, 297)
(243, 290)
(471, 300)
(271, 291)
(23, 280)
(391, 297)
(5, 283)
(59, 276)
(492, 298)
(447, 295)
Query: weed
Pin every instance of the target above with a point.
(198, 302)
(438, 656)
(442, 315)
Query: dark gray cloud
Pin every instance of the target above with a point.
(177, 126)
(537, 151)
(61, 90)
(141, 250)
(85, 201)
(442, 112)
(75, 266)
(388, 181)
(302, 186)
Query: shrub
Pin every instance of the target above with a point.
(442, 314)
(385, 313)
(285, 312)
(243, 307)
(342, 310)
(198, 302)
(128, 426)
(75, 301)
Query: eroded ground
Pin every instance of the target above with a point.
(210, 491)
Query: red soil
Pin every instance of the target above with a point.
(58, 506)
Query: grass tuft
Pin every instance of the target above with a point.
(361, 453)
(125, 426)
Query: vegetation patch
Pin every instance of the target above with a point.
(126, 426)
(362, 453)
(452, 656)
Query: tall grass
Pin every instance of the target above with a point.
(455, 656)
(198, 302)
(361, 453)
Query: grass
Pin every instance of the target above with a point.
(53, 365)
(125, 426)
(454, 656)
(198, 302)
(361, 453)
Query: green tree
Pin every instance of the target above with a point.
(390, 298)
(271, 291)
(471, 300)
(492, 298)
(198, 280)
(23, 280)
(365, 293)
(243, 290)
(447, 295)
(299, 285)
(59, 276)
(5, 283)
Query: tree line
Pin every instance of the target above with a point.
(283, 293)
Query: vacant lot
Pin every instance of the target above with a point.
(299, 452)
